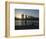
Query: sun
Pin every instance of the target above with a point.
(18, 16)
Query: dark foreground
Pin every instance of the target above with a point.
(21, 25)
(26, 27)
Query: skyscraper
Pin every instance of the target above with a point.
(22, 16)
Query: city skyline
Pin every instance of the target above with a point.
(28, 12)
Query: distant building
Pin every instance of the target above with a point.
(25, 16)
(22, 16)
(29, 16)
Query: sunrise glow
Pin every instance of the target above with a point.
(18, 16)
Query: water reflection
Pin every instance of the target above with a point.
(26, 22)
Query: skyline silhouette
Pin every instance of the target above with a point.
(29, 12)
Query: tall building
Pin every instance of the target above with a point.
(25, 16)
(22, 16)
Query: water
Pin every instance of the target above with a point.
(26, 24)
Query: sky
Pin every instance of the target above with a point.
(29, 12)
